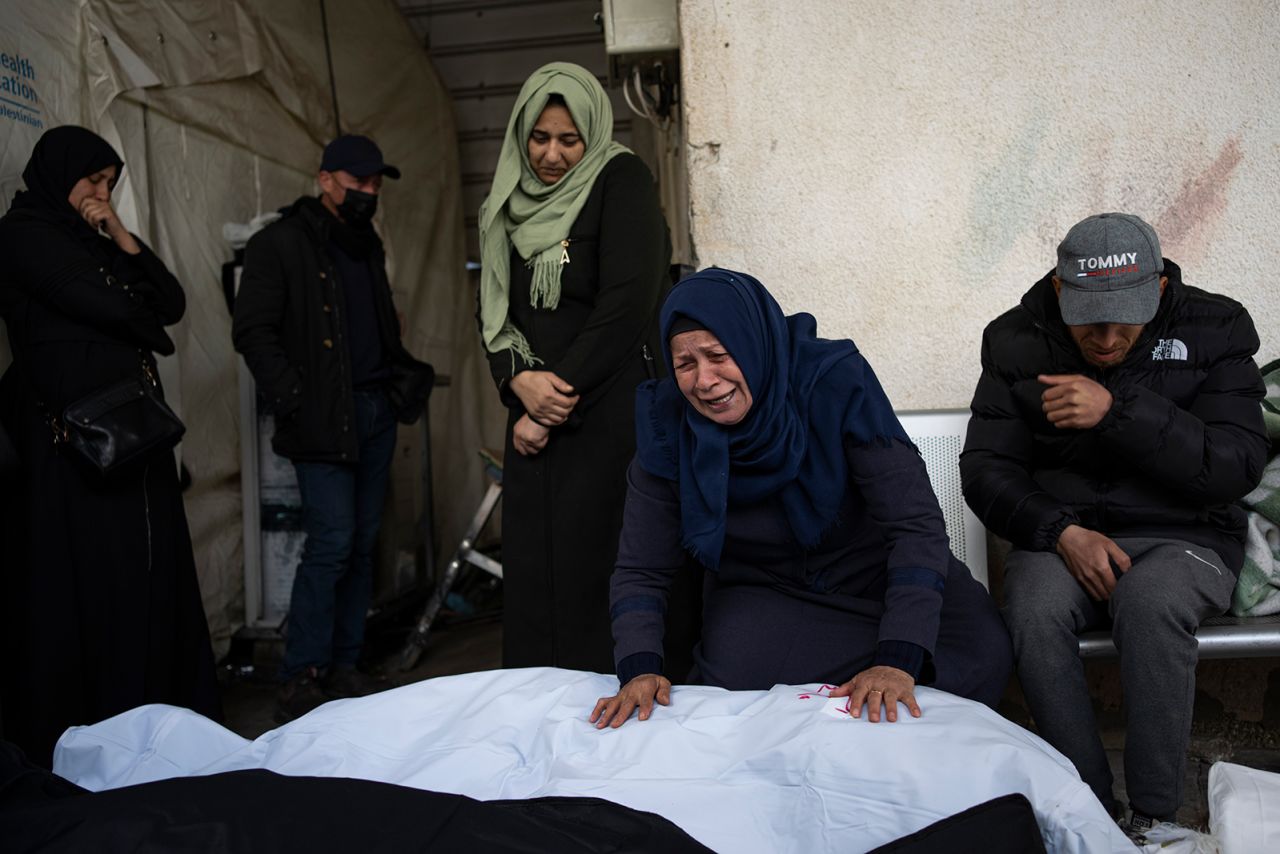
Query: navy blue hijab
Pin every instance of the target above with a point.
(808, 394)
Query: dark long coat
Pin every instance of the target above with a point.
(101, 610)
(562, 508)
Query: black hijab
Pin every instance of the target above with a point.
(61, 157)
(42, 234)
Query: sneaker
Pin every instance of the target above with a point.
(299, 695)
(1139, 825)
(342, 682)
(1151, 834)
(1142, 829)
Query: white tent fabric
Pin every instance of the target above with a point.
(220, 109)
(747, 771)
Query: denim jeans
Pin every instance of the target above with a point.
(341, 512)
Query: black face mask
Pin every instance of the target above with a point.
(358, 208)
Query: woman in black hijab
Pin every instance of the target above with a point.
(100, 607)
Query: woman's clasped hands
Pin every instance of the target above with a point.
(548, 400)
(528, 436)
(546, 397)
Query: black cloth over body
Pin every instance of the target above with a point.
(261, 811)
(1183, 440)
(1003, 825)
(562, 508)
(101, 606)
(290, 326)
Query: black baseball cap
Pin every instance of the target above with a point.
(358, 155)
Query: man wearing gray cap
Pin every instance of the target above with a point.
(316, 325)
(1116, 420)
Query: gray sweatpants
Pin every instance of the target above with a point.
(1154, 612)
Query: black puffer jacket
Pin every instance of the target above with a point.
(290, 327)
(1183, 440)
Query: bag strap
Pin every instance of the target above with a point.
(148, 371)
(56, 424)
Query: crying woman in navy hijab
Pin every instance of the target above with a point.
(773, 458)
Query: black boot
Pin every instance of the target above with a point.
(299, 695)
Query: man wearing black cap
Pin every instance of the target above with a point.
(316, 325)
(1116, 420)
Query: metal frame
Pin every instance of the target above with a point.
(465, 553)
(1219, 637)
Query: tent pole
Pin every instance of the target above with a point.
(333, 86)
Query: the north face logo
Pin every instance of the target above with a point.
(1170, 349)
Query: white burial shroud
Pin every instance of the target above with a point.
(742, 771)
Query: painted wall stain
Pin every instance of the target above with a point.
(1005, 197)
(1186, 226)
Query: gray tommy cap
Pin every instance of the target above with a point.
(1110, 267)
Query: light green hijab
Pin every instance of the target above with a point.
(534, 217)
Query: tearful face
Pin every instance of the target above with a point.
(709, 378)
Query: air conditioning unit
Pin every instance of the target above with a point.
(640, 26)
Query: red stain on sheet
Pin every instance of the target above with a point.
(1186, 226)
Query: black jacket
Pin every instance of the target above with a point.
(1183, 440)
(289, 326)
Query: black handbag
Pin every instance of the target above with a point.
(120, 424)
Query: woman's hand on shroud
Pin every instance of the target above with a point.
(545, 396)
(876, 686)
(640, 691)
(528, 436)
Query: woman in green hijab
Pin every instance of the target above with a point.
(574, 254)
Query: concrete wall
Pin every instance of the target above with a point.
(905, 170)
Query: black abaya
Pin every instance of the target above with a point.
(101, 609)
(562, 508)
